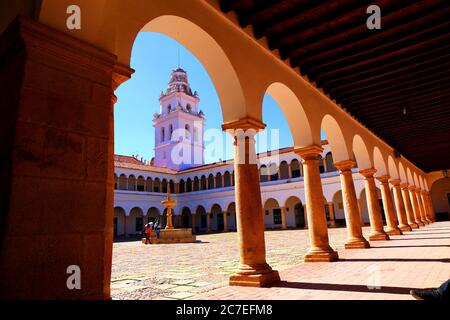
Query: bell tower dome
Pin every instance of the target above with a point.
(179, 125)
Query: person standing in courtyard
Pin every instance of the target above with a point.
(157, 228)
(148, 231)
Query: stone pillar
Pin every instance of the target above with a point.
(430, 205)
(426, 209)
(126, 226)
(283, 218)
(408, 206)
(332, 217)
(421, 207)
(388, 205)
(305, 216)
(360, 211)
(194, 221)
(177, 188)
(320, 249)
(355, 237)
(225, 221)
(415, 205)
(208, 221)
(223, 180)
(253, 269)
(399, 205)
(376, 221)
(57, 154)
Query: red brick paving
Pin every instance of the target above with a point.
(416, 259)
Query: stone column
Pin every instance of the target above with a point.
(408, 206)
(305, 216)
(360, 211)
(399, 205)
(283, 218)
(415, 205)
(376, 221)
(332, 217)
(388, 205)
(430, 205)
(320, 249)
(225, 221)
(355, 237)
(194, 220)
(253, 269)
(208, 221)
(426, 209)
(423, 216)
(126, 226)
(223, 180)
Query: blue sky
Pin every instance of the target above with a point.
(154, 56)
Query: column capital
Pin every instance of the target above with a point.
(368, 173)
(404, 185)
(395, 182)
(384, 178)
(424, 191)
(418, 190)
(345, 165)
(244, 124)
(309, 152)
(412, 188)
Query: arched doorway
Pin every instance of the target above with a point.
(440, 197)
(217, 218)
(119, 221)
(186, 218)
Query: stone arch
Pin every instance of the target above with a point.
(156, 185)
(211, 181)
(153, 213)
(196, 184)
(295, 168)
(295, 215)
(140, 184)
(402, 173)
(122, 182)
(227, 179)
(416, 180)
(149, 185)
(186, 217)
(131, 183)
(217, 222)
(329, 161)
(272, 213)
(284, 170)
(393, 172)
(219, 180)
(164, 185)
(203, 182)
(379, 162)
(119, 221)
(182, 186)
(294, 113)
(189, 185)
(206, 49)
(135, 220)
(409, 176)
(335, 138)
(361, 153)
(231, 213)
(263, 173)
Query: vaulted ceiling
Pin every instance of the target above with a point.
(394, 80)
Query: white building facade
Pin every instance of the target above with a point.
(205, 192)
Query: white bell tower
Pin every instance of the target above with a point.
(179, 126)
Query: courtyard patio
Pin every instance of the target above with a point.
(200, 270)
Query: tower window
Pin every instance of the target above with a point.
(187, 132)
(163, 134)
(188, 107)
(169, 108)
(195, 134)
(170, 131)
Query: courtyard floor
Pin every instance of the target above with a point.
(200, 270)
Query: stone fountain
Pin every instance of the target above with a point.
(170, 234)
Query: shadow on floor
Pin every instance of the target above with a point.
(414, 246)
(339, 287)
(437, 238)
(395, 260)
(426, 233)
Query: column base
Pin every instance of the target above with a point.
(254, 280)
(420, 223)
(321, 256)
(414, 226)
(405, 227)
(357, 244)
(394, 231)
(425, 222)
(379, 236)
